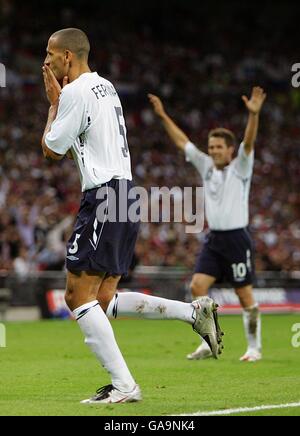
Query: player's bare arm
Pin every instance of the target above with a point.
(174, 132)
(53, 90)
(254, 106)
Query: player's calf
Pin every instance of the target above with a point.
(252, 324)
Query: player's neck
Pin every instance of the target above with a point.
(221, 167)
(77, 71)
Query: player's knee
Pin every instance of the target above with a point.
(198, 288)
(70, 294)
(107, 291)
(74, 300)
(104, 304)
(104, 299)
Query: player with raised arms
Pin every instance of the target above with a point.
(228, 250)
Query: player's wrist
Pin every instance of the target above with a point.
(254, 113)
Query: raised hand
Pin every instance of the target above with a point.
(157, 105)
(255, 104)
(52, 87)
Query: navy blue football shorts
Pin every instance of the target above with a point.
(229, 257)
(104, 238)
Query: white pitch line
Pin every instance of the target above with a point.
(244, 410)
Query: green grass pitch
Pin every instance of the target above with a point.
(46, 369)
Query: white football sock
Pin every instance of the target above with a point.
(252, 324)
(100, 338)
(134, 304)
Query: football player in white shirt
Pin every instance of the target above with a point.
(86, 123)
(228, 250)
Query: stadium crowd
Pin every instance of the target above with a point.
(201, 85)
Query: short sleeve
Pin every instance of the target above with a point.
(201, 161)
(69, 122)
(244, 162)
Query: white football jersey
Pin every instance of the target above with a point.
(91, 124)
(226, 191)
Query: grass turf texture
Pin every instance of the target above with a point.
(46, 369)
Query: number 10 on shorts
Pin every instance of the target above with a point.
(239, 270)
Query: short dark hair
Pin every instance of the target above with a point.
(74, 40)
(226, 134)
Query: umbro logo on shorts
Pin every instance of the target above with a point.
(72, 258)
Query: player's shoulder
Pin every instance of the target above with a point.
(190, 147)
(74, 90)
(70, 96)
(66, 97)
(104, 80)
(69, 90)
(80, 82)
(108, 86)
(243, 155)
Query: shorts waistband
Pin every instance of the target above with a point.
(227, 232)
(107, 184)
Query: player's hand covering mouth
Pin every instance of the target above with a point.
(52, 86)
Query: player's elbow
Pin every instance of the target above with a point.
(55, 156)
(45, 151)
(49, 154)
(181, 143)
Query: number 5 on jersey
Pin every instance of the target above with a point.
(121, 121)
